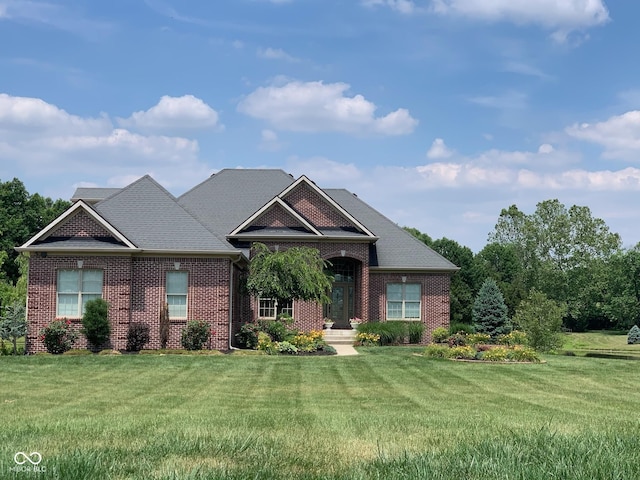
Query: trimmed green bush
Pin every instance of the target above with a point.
(95, 322)
(195, 335)
(440, 334)
(634, 335)
(457, 340)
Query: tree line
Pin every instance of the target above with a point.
(564, 253)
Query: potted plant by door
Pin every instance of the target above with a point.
(355, 322)
(328, 323)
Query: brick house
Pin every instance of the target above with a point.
(140, 247)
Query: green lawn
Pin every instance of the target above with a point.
(599, 342)
(384, 414)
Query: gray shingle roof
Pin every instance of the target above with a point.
(150, 217)
(395, 248)
(228, 198)
(93, 195)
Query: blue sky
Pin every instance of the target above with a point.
(439, 113)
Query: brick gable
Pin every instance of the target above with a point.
(81, 225)
(316, 209)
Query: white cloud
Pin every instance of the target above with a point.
(320, 107)
(563, 16)
(269, 141)
(325, 171)
(276, 54)
(172, 114)
(439, 150)
(507, 101)
(619, 135)
(402, 6)
(25, 115)
(549, 13)
(43, 139)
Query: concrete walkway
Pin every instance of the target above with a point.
(342, 349)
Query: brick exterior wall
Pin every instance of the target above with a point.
(81, 225)
(313, 207)
(208, 296)
(435, 298)
(41, 295)
(276, 216)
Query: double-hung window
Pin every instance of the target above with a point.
(74, 289)
(177, 288)
(403, 301)
(271, 308)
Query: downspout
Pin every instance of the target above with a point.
(231, 279)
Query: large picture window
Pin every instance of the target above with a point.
(271, 308)
(177, 288)
(403, 301)
(74, 289)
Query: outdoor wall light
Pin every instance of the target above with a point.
(343, 252)
(176, 265)
(80, 263)
(404, 279)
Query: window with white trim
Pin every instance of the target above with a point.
(177, 289)
(271, 308)
(403, 301)
(74, 289)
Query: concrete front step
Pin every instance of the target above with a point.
(340, 337)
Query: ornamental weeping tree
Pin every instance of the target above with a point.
(297, 273)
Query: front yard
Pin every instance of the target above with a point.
(386, 413)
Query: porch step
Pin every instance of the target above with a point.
(340, 337)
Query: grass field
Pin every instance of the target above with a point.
(605, 342)
(385, 414)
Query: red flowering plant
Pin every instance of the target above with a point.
(58, 336)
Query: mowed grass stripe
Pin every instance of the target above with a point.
(384, 414)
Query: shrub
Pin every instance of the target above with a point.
(164, 326)
(519, 353)
(248, 335)
(95, 322)
(634, 335)
(265, 343)
(13, 325)
(415, 331)
(440, 334)
(457, 340)
(391, 333)
(461, 327)
(137, 336)
(195, 335)
(478, 338)
(462, 352)
(367, 339)
(497, 354)
(58, 336)
(515, 337)
(287, 347)
(437, 351)
(276, 329)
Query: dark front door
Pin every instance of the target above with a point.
(341, 304)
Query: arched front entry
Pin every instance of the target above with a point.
(343, 291)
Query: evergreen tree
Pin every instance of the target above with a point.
(489, 310)
(634, 335)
